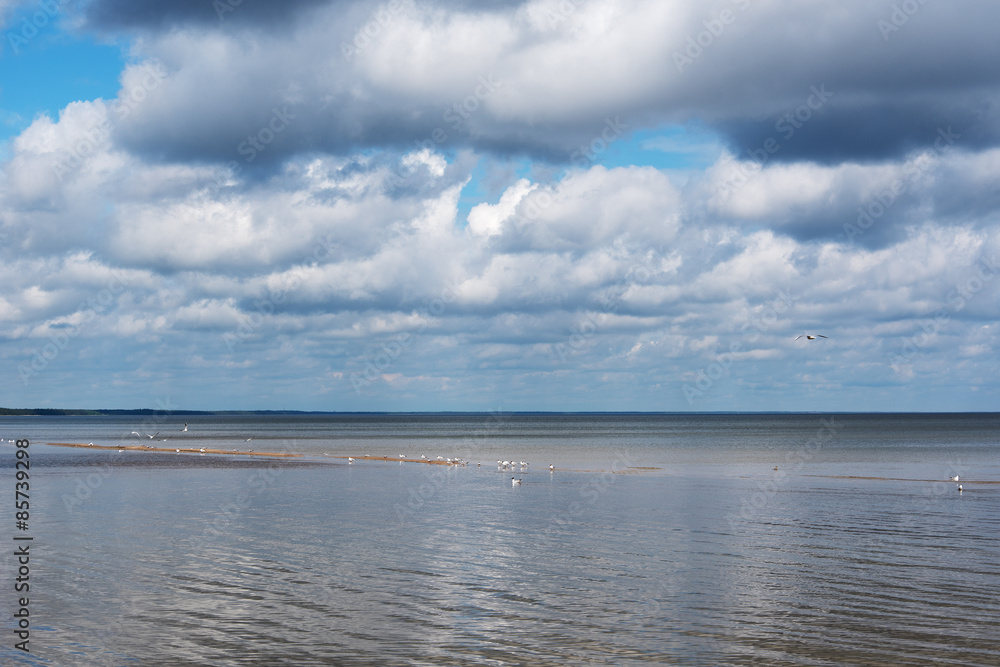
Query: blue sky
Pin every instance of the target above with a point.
(55, 67)
(539, 205)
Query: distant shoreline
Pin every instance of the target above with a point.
(148, 412)
(142, 412)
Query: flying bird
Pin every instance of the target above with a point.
(810, 336)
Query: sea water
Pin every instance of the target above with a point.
(656, 539)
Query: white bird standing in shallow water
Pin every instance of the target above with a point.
(959, 488)
(515, 482)
(350, 459)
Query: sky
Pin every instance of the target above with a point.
(552, 205)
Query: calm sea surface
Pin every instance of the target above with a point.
(657, 540)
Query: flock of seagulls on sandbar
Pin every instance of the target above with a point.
(502, 464)
(152, 436)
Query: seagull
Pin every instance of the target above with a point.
(810, 336)
(178, 451)
(959, 488)
(152, 436)
(515, 482)
(202, 450)
(423, 457)
(248, 439)
(135, 433)
(185, 427)
(955, 478)
(402, 456)
(350, 459)
(551, 467)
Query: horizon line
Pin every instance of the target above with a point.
(84, 412)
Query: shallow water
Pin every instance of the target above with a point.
(658, 540)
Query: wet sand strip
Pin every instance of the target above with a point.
(182, 450)
(401, 460)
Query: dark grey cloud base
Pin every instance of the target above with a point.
(890, 93)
